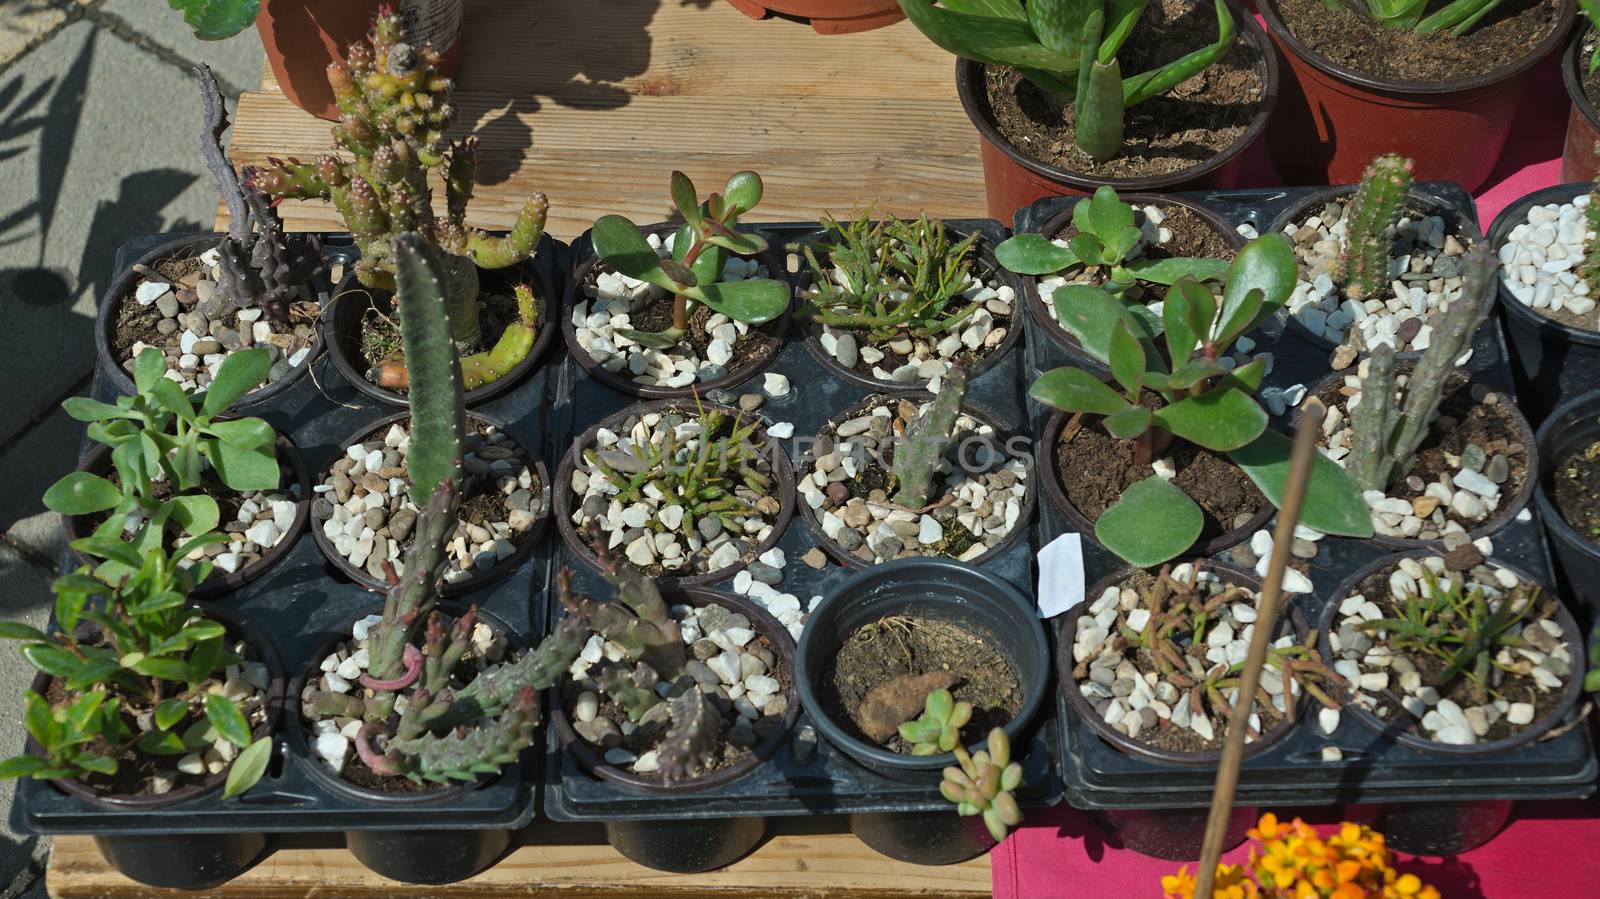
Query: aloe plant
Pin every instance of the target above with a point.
(700, 249)
(1068, 49)
(1412, 15)
(1199, 400)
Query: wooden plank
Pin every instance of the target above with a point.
(595, 103)
(570, 861)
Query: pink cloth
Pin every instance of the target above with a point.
(1532, 157)
(1546, 852)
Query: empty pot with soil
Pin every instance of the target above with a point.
(1546, 295)
(1452, 654)
(1568, 495)
(1357, 87)
(887, 637)
(688, 491)
(894, 304)
(903, 476)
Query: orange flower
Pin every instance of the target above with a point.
(1294, 862)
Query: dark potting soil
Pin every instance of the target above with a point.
(1192, 236)
(135, 323)
(1577, 491)
(1180, 129)
(380, 330)
(1346, 38)
(899, 645)
(1096, 469)
(1467, 416)
(754, 346)
(1511, 687)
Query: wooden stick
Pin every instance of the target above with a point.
(1294, 492)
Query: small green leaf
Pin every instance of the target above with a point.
(1089, 314)
(52, 660)
(31, 766)
(1246, 377)
(1090, 250)
(16, 630)
(1333, 504)
(244, 469)
(620, 244)
(740, 242)
(83, 408)
(1193, 372)
(661, 340)
(939, 704)
(1075, 390)
(1266, 264)
(196, 513)
(1032, 254)
(1127, 359)
(99, 764)
(40, 721)
(214, 20)
(243, 433)
(148, 368)
(1170, 270)
(685, 199)
(170, 712)
(82, 493)
(1106, 214)
(239, 374)
(92, 672)
(162, 742)
(755, 302)
(743, 192)
(1129, 423)
(168, 396)
(172, 670)
(83, 711)
(1223, 419)
(227, 719)
(248, 768)
(1153, 522)
(681, 275)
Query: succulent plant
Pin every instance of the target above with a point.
(939, 728)
(1589, 269)
(1068, 49)
(1106, 237)
(214, 20)
(1412, 15)
(394, 109)
(699, 252)
(1386, 433)
(1374, 210)
(1199, 400)
(982, 784)
(918, 454)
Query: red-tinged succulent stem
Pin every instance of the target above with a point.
(413, 662)
(377, 763)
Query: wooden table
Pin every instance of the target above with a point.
(595, 103)
(800, 858)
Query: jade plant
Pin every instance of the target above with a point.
(215, 20)
(1068, 49)
(938, 729)
(1387, 431)
(1374, 209)
(394, 110)
(700, 249)
(983, 784)
(1458, 16)
(258, 263)
(141, 672)
(918, 454)
(162, 440)
(1200, 399)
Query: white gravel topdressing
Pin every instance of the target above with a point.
(1542, 260)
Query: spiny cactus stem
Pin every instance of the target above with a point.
(1372, 422)
(1374, 210)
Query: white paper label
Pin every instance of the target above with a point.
(436, 22)
(1060, 575)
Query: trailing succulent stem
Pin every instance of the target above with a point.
(1373, 212)
(1385, 432)
(917, 457)
(982, 784)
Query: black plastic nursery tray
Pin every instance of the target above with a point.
(805, 775)
(302, 601)
(1372, 768)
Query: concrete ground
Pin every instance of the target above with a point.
(99, 142)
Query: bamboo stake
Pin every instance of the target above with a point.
(1294, 492)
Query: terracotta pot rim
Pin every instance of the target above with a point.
(111, 302)
(969, 81)
(778, 330)
(238, 625)
(850, 560)
(1513, 215)
(501, 568)
(1570, 62)
(986, 257)
(1067, 630)
(1286, 39)
(1056, 492)
(357, 293)
(564, 500)
(767, 626)
(1059, 222)
(99, 462)
(1540, 726)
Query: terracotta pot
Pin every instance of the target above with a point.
(302, 37)
(1012, 179)
(827, 16)
(1583, 126)
(1334, 120)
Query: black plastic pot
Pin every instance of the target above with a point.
(221, 582)
(1443, 828)
(341, 329)
(1396, 729)
(684, 845)
(776, 329)
(566, 502)
(972, 598)
(122, 285)
(500, 569)
(1570, 430)
(421, 854)
(986, 265)
(997, 442)
(1173, 834)
(1553, 362)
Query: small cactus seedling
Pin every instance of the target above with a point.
(1373, 212)
(700, 249)
(917, 456)
(983, 783)
(939, 728)
(1385, 434)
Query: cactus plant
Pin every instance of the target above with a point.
(1589, 270)
(1376, 207)
(917, 457)
(394, 111)
(259, 264)
(983, 783)
(1412, 15)
(1068, 49)
(939, 727)
(1385, 433)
